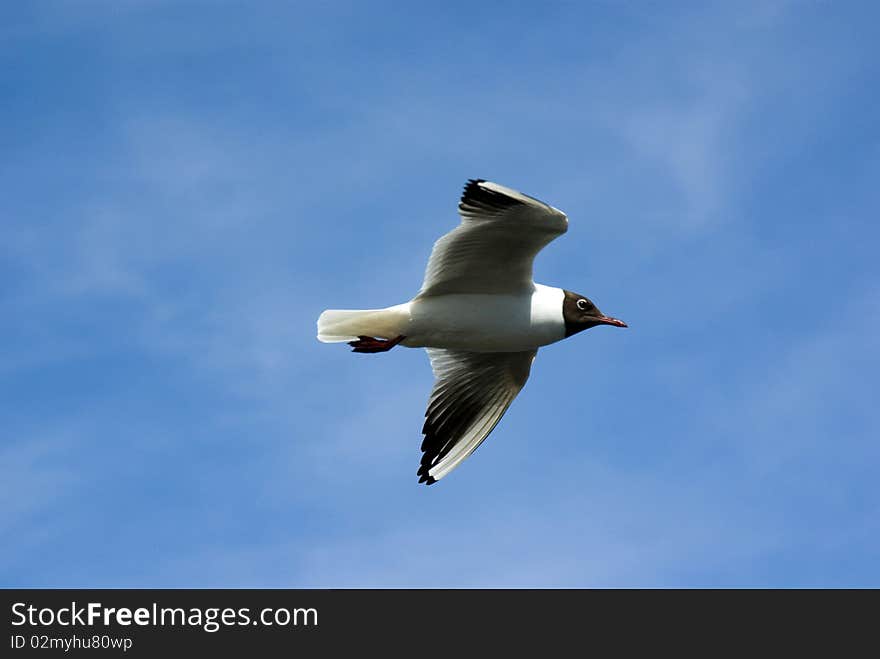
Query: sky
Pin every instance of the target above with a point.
(185, 186)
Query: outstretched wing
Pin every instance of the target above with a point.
(493, 248)
(472, 391)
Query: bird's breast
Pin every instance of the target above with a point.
(487, 323)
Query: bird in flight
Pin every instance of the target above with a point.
(479, 315)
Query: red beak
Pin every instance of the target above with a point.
(605, 320)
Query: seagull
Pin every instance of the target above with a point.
(479, 315)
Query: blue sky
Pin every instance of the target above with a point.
(185, 186)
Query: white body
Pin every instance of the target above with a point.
(470, 322)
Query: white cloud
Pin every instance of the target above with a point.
(36, 474)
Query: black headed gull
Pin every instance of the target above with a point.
(480, 317)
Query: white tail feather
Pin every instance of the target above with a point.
(338, 325)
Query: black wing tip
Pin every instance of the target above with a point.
(472, 185)
(424, 476)
(434, 448)
(424, 468)
(477, 198)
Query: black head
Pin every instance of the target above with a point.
(579, 313)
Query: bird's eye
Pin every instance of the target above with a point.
(582, 304)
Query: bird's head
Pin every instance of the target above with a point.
(579, 313)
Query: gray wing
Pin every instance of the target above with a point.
(493, 248)
(472, 391)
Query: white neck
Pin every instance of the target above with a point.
(547, 320)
